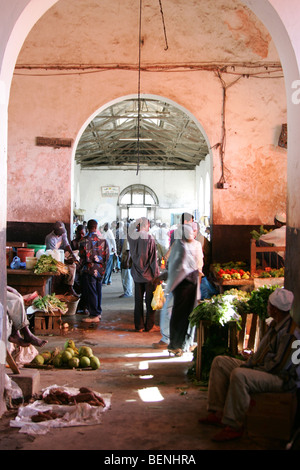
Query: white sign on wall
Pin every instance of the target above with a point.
(110, 191)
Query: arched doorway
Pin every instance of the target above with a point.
(136, 201)
(171, 138)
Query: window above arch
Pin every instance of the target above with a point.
(138, 195)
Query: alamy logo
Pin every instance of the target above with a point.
(296, 93)
(296, 354)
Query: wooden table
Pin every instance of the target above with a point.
(26, 282)
(230, 283)
(233, 283)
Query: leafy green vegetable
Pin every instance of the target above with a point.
(256, 235)
(49, 304)
(258, 301)
(222, 308)
(46, 264)
(227, 307)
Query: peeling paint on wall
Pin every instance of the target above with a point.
(250, 32)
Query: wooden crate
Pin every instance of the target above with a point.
(272, 415)
(248, 337)
(47, 324)
(203, 330)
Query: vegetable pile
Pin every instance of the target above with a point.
(224, 308)
(50, 304)
(221, 308)
(231, 270)
(256, 235)
(47, 264)
(269, 272)
(258, 301)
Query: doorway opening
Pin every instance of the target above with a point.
(137, 201)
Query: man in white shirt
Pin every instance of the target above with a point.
(276, 237)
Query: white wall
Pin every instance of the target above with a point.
(176, 191)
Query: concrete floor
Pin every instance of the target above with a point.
(168, 420)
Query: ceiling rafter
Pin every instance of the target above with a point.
(173, 140)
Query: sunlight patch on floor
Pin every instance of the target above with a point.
(150, 394)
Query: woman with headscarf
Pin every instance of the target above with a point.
(184, 276)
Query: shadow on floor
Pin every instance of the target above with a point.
(154, 404)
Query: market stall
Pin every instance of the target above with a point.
(231, 275)
(229, 323)
(26, 281)
(39, 277)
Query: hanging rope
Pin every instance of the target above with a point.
(139, 91)
(163, 21)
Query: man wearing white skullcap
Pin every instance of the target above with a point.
(276, 237)
(282, 299)
(270, 369)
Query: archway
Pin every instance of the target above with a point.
(171, 138)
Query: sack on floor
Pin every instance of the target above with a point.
(158, 299)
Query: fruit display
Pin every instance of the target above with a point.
(269, 272)
(69, 357)
(232, 271)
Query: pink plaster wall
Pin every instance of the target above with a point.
(56, 104)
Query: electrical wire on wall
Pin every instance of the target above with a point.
(222, 144)
(254, 70)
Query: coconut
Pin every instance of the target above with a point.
(71, 351)
(46, 355)
(66, 356)
(73, 362)
(85, 351)
(85, 361)
(95, 362)
(39, 360)
(57, 361)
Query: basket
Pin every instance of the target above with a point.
(71, 301)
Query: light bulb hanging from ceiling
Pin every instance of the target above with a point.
(139, 91)
(139, 78)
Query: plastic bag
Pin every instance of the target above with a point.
(158, 299)
(13, 393)
(17, 263)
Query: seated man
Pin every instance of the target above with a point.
(276, 237)
(270, 369)
(20, 333)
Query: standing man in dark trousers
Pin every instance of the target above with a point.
(94, 254)
(144, 269)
